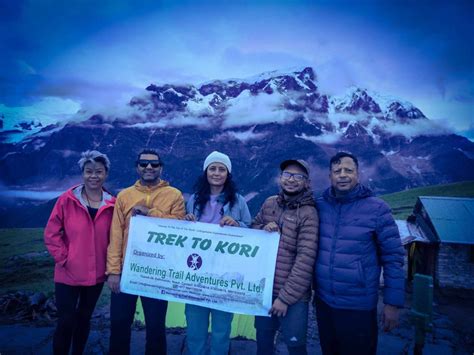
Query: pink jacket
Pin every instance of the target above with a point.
(77, 243)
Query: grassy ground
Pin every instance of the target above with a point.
(27, 266)
(402, 203)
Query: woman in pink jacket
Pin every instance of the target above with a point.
(77, 236)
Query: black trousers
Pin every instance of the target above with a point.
(75, 305)
(293, 328)
(346, 331)
(122, 313)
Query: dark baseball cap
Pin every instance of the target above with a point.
(303, 164)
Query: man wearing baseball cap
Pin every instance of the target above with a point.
(293, 214)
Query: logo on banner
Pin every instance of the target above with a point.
(194, 261)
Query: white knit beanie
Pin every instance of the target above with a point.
(218, 157)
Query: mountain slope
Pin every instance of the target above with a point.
(258, 121)
(402, 203)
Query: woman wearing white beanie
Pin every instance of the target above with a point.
(215, 200)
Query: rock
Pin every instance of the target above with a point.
(37, 299)
(442, 322)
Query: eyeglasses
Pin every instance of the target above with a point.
(297, 177)
(144, 163)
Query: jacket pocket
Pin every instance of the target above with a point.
(64, 262)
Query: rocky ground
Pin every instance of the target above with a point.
(453, 332)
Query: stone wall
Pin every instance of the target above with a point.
(454, 267)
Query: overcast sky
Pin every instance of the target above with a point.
(60, 56)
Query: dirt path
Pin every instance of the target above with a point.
(453, 331)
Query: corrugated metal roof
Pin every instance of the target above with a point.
(452, 217)
(410, 232)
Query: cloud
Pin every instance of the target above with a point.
(18, 81)
(469, 133)
(97, 53)
(416, 128)
(47, 110)
(325, 138)
(244, 63)
(248, 109)
(335, 75)
(178, 121)
(29, 195)
(244, 136)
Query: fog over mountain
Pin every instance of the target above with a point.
(258, 122)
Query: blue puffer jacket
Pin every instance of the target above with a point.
(357, 237)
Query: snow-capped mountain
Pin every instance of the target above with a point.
(258, 121)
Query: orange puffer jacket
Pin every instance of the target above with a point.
(163, 201)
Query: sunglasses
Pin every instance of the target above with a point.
(153, 163)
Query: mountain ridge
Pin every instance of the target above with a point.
(258, 123)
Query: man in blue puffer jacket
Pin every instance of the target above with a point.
(358, 237)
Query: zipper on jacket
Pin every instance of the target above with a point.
(280, 218)
(101, 210)
(333, 247)
(147, 202)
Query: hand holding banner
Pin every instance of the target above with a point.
(225, 268)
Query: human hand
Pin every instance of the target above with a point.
(140, 210)
(390, 316)
(271, 227)
(190, 217)
(228, 221)
(278, 309)
(113, 281)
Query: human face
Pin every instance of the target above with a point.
(344, 176)
(149, 175)
(289, 184)
(217, 174)
(94, 175)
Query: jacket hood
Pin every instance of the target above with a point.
(305, 198)
(146, 189)
(358, 192)
(109, 199)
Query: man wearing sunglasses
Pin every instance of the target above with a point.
(149, 196)
(292, 213)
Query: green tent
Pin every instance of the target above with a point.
(242, 325)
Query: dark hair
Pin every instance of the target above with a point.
(336, 159)
(149, 151)
(202, 192)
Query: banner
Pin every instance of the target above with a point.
(226, 268)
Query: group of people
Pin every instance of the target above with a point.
(335, 245)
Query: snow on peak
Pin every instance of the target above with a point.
(277, 96)
(386, 107)
(306, 73)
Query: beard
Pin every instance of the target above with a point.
(292, 193)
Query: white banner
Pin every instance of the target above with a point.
(225, 268)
